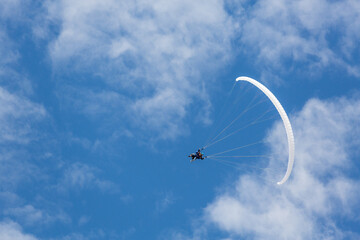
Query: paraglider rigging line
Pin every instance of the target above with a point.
(243, 146)
(222, 110)
(240, 166)
(256, 121)
(233, 121)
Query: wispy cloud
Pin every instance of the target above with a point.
(15, 168)
(20, 118)
(17, 115)
(166, 200)
(82, 176)
(320, 190)
(93, 234)
(31, 216)
(9, 55)
(11, 9)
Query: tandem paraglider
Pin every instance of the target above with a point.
(197, 155)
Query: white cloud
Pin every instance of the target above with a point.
(8, 55)
(31, 216)
(17, 114)
(83, 220)
(96, 234)
(10, 8)
(82, 176)
(10, 79)
(15, 168)
(19, 127)
(166, 200)
(12, 231)
(92, 102)
(150, 52)
(318, 33)
(320, 190)
(153, 54)
(8, 198)
(200, 233)
(169, 106)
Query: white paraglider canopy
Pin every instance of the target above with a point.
(285, 119)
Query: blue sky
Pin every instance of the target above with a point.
(102, 101)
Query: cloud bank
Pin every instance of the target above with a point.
(12, 231)
(151, 53)
(320, 190)
(317, 34)
(150, 57)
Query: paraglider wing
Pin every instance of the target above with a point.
(285, 119)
